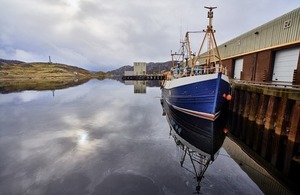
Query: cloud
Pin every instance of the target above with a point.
(103, 35)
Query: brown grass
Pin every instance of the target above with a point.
(42, 76)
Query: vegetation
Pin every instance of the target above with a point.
(18, 76)
(40, 71)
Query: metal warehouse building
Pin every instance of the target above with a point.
(268, 53)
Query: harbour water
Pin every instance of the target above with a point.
(101, 137)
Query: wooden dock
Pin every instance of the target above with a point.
(266, 119)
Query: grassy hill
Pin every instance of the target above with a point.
(40, 71)
(19, 76)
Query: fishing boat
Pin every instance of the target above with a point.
(197, 85)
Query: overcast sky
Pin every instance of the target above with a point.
(107, 34)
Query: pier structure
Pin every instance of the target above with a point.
(265, 119)
(263, 65)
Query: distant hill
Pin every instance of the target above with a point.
(152, 68)
(158, 67)
(18, 76)
(18, 69)
(14, 69)
(40, 70)
(120, 71)
(6, 62)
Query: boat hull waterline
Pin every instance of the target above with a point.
(201, 135)
(200, 95)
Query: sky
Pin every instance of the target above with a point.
(103, 35)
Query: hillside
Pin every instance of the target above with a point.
(40, 70)
(152, 68)
(13, 69)
(6, 62)
(18, 76)
(158, 67)
(120, 71)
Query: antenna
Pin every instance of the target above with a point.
(210, 8)
(50, 60)
(210, 14)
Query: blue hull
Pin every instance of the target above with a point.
(203, 97)
(205, 135)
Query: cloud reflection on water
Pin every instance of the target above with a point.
(77, 129)
(85, 137)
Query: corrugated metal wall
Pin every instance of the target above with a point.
(284, 30)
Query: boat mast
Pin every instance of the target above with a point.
(189, 51)
(214, 43)
(211, 43)
(180, 53)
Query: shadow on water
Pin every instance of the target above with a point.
(274, 152)
(198, 139)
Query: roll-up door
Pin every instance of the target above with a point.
(285, 63)
(238, 68)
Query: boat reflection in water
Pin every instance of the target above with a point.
(199, 139)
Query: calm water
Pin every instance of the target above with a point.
(99, 138)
